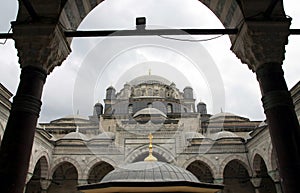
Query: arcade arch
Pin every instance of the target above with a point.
(40, 173)
(236, 178)
(266, 184)
(201, 170)
(98, 171)
(264, 23)
(64, 178)
(139, 154)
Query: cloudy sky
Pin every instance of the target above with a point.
(217, 76)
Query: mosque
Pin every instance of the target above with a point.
(73, 153)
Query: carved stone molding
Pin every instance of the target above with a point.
(260, 42)
(41, 45)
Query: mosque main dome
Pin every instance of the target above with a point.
(149, 79)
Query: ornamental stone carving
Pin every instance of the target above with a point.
(261, 42)
(41, 45)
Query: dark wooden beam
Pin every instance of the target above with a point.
(153, 32)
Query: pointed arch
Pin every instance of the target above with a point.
(144, 149)
(202, 170)
(241, 159)
(212, 166)
(57, 162)
(94, 162)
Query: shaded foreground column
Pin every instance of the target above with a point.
(41, 46)
(261, 45)
(18, 137)
(283, 123)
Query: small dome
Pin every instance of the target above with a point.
(223, 114)
(194, 135)
(224, 134)
(149, 79)
(75, 135)
(149, 171)
(105, 135)
(75, 117)
(110, 88)
(263, 123)
(149, 111)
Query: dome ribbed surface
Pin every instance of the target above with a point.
(149, 79)
(194, 135)
(75, 135)
(149, 171)
(224, 134)
(149, 111)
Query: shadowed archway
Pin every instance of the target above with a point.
(237, 178)
(40, 173)
(98, 171)
(64, 179)
(267, 184)
(202, 171)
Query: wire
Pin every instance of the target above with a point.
(2, 43)
(189, 40)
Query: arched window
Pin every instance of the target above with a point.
(150, 92)
(130, 109)
(149, 105)
(169, 108)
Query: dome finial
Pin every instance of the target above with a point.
(149, 71)
(150, 156)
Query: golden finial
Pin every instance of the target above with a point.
(150, 156)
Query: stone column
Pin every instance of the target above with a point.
(261, 45)
(40, 47)
(45, 183)
(276, 178)
(256, 183)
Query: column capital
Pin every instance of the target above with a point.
(45, 183)
(42, 45)
(261, 42)
(256, 181)
(274, 174)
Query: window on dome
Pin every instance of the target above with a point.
(150, 92)
(169, 108)
(130, 109)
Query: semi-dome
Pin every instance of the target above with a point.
(150, 111)
(149, 79)
(75, 135)
(105, 135)
(223, 135)
(194, 135)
